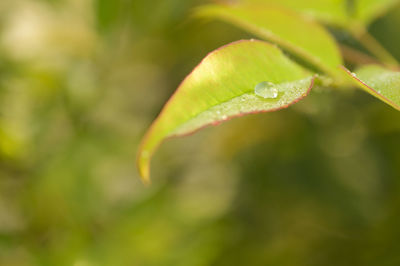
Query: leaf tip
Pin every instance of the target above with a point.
(143, 166)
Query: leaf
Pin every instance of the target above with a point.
(369, 10)
(302, 37)
(334, 12)
(343, 13)
(382, 83)
(222, 87)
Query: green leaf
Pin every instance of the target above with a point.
(302, 37)
(334, 12)
(382, 83)
(343, 13)
(222, 87)
(369, 10)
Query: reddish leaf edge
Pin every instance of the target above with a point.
(375, 93)
(145, 174)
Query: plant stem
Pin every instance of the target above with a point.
(374, 47)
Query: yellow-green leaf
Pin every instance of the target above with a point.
(333, 12)
(300, 36)
(368, 10)
(221, 87)
(382, 83)
(343, 13)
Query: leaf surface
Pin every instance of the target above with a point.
(382, 83)
(369, 10)
(329, 11)
(222, 87)
(341, 13)
(298, 35)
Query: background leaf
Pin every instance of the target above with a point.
(221, 87)
(382, 83)
(368, 10)
(343, 13)
(333, 12)
(298, 35)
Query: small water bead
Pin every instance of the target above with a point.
(266, 90)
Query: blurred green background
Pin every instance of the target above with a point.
(81, 81)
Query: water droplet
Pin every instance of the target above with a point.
(266, 89)
(224, 117)
(353, 74)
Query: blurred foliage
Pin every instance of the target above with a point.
(81, 80)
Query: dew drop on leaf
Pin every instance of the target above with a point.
(266, 89)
